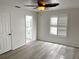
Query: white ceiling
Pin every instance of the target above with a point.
(64, 4)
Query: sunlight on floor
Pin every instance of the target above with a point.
(62, 57)
(27, 41)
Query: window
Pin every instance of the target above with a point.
(53, 30)
(29, 27)
(53, 23)
(58, 25)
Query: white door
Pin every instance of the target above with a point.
(29, 28)
(5, 38)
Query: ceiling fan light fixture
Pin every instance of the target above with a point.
(42, 5)
(41, 8)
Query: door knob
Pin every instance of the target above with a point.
(9, 34)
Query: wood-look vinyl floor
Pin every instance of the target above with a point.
(42, 50)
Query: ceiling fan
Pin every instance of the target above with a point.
(42, 5)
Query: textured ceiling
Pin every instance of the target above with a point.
(64, 4)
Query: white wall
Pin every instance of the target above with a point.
(18, 26)
(17, 17)
(73, 27)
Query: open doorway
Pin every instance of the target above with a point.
(29, 28)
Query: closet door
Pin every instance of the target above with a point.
(5, 35)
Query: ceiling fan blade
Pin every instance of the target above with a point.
(31, 5)
(52, 5)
